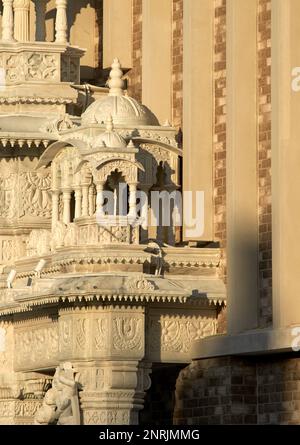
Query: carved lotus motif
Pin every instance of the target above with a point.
(140, 284)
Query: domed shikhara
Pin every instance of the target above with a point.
(124, 109)
(110, 138)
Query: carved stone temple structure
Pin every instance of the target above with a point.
(115, 308)
(112, 300)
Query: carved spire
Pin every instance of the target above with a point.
(115, 82)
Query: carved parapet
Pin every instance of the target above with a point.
(50, 67)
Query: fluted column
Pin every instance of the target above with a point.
(55, 207)
(67, 206)
(61, 23)
(8, 21)
(40, 12)
(21, 20)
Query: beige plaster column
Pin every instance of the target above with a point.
(198, 47)
(157, 57)
(61, 23)
(66, 206)
(21, 20)
(55, 207)
(8, 21)
(242, 182)
(40, 21)
(117, 21)
(285, 163)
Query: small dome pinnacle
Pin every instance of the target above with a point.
(115, 82)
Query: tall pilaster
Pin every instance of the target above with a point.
(198, 47)
(285, 163)
(242, 181)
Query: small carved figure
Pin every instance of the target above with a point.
(61, 404)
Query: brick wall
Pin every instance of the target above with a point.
(234, 390)
(219, 141)
(177, 64)
(264, 161)
(135, 74)
(215, 392)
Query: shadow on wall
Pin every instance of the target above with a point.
(83, 33)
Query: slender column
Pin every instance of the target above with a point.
(8, 21)
(21, 20)
(78, 202)
(61, 24)
(40, 11)
(91, 201)
(85, 200)
(100, 199)
(55, 207)
(67, 206)
(132, 200)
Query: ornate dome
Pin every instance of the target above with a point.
(124, 109)
(110, 138)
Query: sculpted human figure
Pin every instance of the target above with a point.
(61, 405)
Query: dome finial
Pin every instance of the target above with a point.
(115, 82)
(109, 123)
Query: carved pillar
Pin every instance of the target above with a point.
(55, 207)
(115, 377)
(67, 206)
(8, 21)
(78, 202)
(100, 199)
(120, 393)
(61, 23)
(21, 20)
(91, 201)
(40, 12)
(85, 200)
(132, 200)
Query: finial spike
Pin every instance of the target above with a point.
(115, 82)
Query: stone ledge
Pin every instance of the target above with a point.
(266, 341)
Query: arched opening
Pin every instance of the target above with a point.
(72, 207)
(116, 203)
